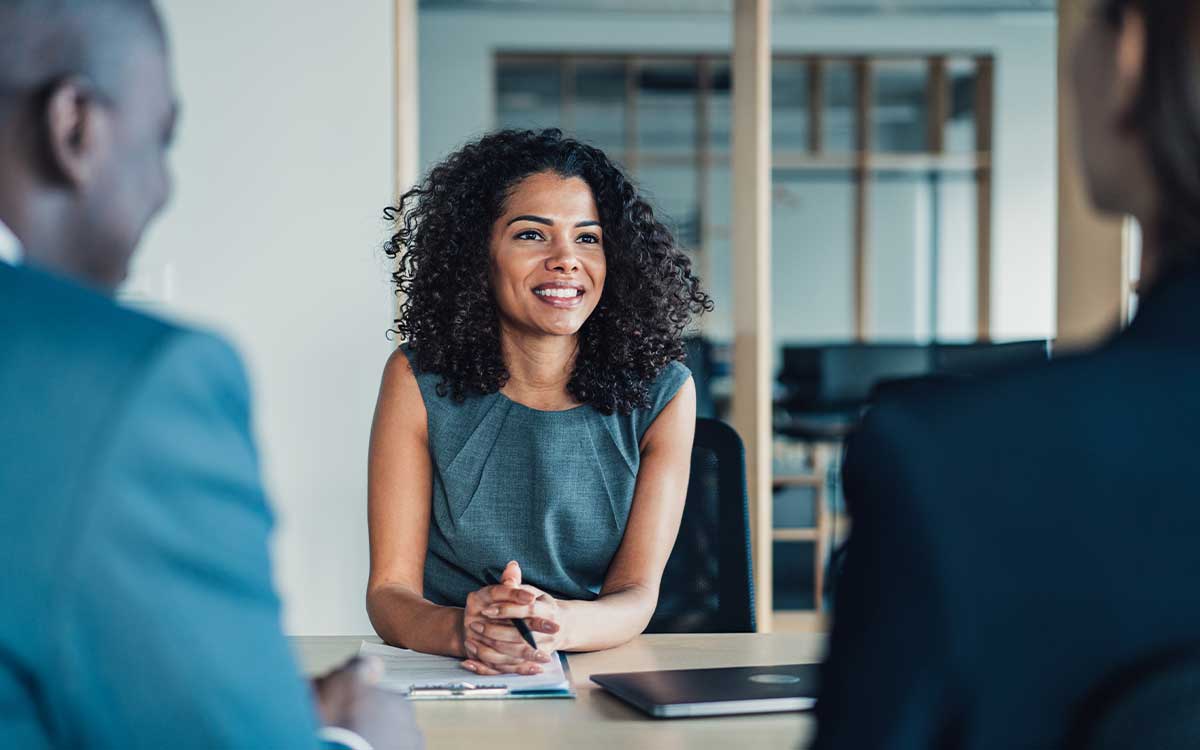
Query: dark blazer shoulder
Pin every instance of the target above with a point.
(925, 433)
(1020, 395)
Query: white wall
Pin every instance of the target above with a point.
(283, 167)
(457, 99)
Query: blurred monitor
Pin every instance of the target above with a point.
(841, 376)
(971, 360)
(844, 376)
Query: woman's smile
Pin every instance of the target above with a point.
(559, 294)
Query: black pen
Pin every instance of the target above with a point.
(517, 622)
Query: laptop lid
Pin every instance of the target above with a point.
(716, 692)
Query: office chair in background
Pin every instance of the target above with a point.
(708, 586)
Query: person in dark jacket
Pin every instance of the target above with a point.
(1019, 539)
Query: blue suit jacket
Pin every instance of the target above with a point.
(136, 604)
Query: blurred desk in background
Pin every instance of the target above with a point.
(595, 719)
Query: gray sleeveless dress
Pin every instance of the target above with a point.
(551, 490)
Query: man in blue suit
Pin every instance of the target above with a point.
(136, 603)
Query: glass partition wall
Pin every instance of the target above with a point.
(881, 172)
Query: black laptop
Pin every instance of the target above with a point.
(683, 693)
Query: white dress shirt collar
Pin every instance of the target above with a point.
(342, 739)
(10, 246)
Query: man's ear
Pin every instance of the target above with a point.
(1131, 63)
(76, 129)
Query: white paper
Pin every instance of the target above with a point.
(404, 668)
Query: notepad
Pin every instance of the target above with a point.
(426, 676)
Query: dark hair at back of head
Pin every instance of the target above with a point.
(1167, 115)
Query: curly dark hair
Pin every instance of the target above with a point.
(449, 314)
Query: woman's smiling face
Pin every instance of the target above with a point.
(547, 255)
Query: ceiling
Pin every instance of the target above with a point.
(779, 6)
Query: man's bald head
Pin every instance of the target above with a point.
(43, 41)
(86, 114)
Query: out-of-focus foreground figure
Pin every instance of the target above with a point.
(136, 603)
(1023, 561)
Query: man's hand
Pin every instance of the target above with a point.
(348, 698)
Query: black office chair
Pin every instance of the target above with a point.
(707, 586)
(1153, 704)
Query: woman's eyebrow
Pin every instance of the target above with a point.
(530, 217)
(548, 222)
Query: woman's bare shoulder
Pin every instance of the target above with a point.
(400, 399)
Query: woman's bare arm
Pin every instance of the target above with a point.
(630, 593)
(399, 500)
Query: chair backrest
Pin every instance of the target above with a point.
(708, 586)
(1152, 704)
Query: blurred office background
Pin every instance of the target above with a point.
(914, 212)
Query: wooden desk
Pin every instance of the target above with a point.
(597, 720)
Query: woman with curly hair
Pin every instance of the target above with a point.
(537, 424)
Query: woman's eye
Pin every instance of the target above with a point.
(529, 234)
(588, 239)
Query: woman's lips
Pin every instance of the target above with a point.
(559, 296)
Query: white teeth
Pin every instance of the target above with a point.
(560, 293)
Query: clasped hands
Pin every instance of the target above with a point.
(493, 645)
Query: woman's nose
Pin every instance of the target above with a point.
(562, 259)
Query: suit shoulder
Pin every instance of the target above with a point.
(60, 312)
(1019, 395)
(105, 351)
(191, 357)
(928, 430)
